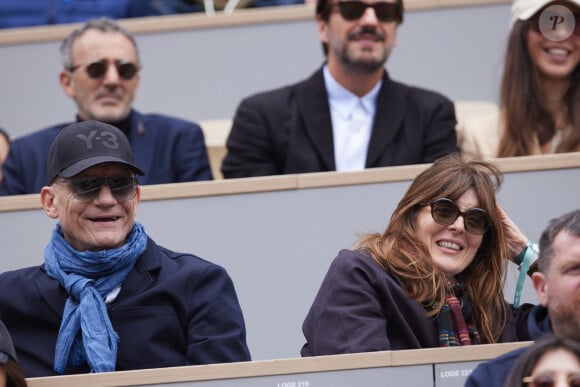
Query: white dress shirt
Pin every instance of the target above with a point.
(352, 123)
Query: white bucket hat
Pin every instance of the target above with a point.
(525, 9)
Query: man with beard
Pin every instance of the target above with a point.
(349, 115)
(101, 74)
(557, 283)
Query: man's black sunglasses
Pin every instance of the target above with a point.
(98, 69)
(87, 189)
(386, 12)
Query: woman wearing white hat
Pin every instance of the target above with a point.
(540, 91)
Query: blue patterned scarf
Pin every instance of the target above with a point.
(86, 333)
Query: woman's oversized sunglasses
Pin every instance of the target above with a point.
(353, 10)
(444, 212)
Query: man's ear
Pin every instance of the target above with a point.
(395, 37)
(65, 78)
(137, 198)
(47, 198)
(541, 286)
(322, 29)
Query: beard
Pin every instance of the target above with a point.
(108, 114)
(96, 107)
(565, 317)
(365, 62)
(362, 65)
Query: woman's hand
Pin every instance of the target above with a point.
(515, 238)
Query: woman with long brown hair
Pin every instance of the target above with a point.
(434, 278)
(540, 90)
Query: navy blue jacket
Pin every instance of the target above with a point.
(289, 130)
(360, 307)
(174, 309)
(22, 13)
(494, 373)
(167, 149)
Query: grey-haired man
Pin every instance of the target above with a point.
(101, 73)
(107, 297)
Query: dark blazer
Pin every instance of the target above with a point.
(360, 307)
(289, 130)
(174, 309)
(167, 149)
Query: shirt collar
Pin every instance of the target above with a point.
(343, 101)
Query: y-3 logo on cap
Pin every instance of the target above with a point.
(108, 139)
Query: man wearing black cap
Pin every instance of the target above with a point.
(107, 297)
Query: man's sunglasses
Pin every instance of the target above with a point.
(444, 211)
(86, 189)
(385, 12)
(548, 380)
(97, 70)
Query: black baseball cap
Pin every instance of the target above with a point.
(7, 351)
(82, 145)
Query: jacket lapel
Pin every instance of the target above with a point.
(389, 116)
(143, 150)
(140, 278)
(51, 292)
(312, 100)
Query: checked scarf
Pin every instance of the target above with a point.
(453, 331)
